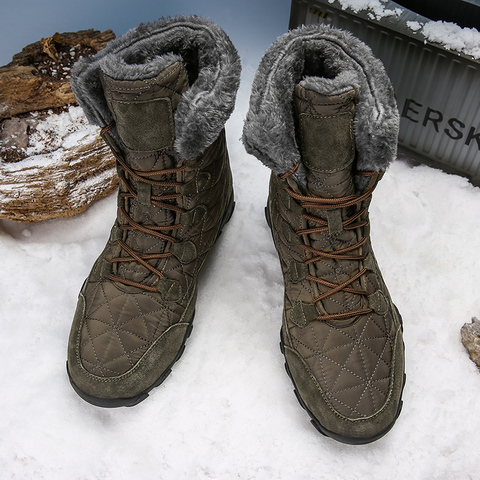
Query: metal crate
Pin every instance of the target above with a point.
(437, 90)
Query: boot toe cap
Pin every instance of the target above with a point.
(133, 386)
(113, 366)
(351, 429)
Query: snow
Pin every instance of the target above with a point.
(453, 37)
(450, 35)
(52, 137)
(228, 411)
(61, 131)
(414, 26)
(376, 8)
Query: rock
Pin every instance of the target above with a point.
(471, 340)
(14, 133)
(38, 77)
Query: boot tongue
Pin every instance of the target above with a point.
(325, 135)
(143, 111)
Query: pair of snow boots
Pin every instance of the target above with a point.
(323, 118)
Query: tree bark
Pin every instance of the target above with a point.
(60, 183)
(60, 188)
(37, 78)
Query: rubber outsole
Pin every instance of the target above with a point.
(135, 400)
(313, 419)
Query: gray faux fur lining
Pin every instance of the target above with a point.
(116, 67)
(329, 61)
(145, 51)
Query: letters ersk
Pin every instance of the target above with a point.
(453, 127)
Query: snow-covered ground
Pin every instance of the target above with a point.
(228, 411)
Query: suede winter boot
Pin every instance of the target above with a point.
(162, 94)
(323, 118)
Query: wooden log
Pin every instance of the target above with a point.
(40, 188)
(55, 177)
(23, 90)
(38, 77)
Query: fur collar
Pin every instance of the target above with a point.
(331, 62)
(210, 58)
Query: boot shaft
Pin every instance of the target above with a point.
(162, 94)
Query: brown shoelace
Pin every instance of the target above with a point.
(346, 253)
(154, 230)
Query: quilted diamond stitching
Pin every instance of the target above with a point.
(119, 326)
(368, 383)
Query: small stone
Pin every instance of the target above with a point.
(471, 340)
(13, 133)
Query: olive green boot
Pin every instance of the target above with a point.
(162, 94)
(335, 132)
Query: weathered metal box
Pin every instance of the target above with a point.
(437, 90)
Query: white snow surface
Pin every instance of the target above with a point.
(51, 137)
(66, 129)
(228, 410)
